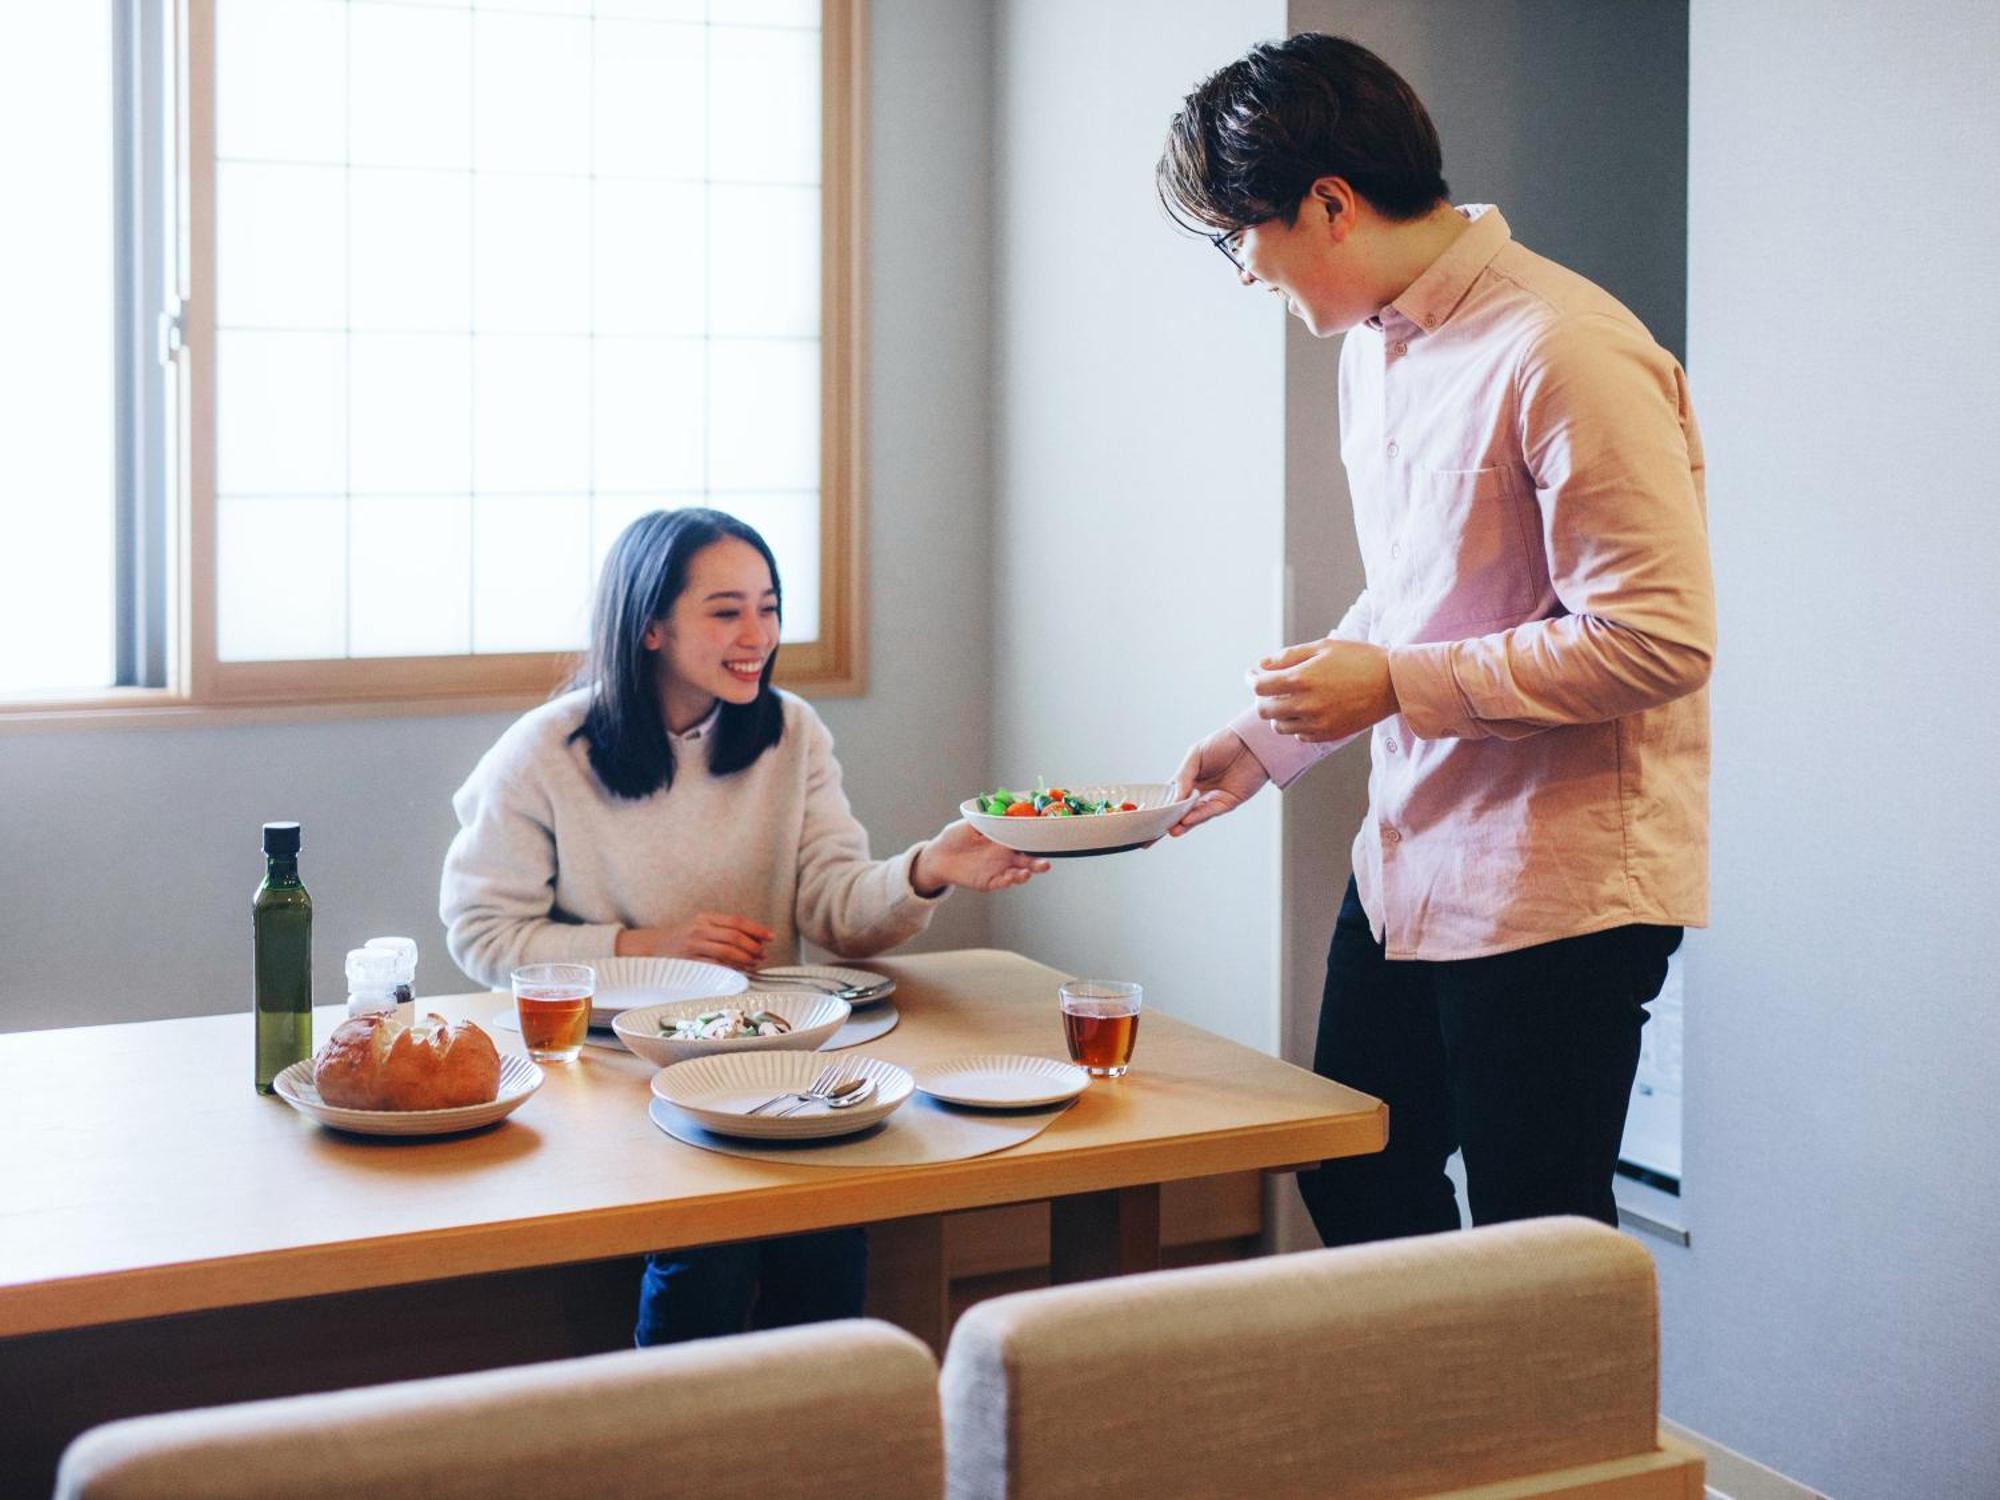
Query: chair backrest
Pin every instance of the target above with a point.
(850, 1405)
(1413, 1367)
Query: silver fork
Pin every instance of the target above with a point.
(845, 1072)
(825, 1079)
(821, 985)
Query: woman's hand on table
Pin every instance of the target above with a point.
(714, 937)
(961, 855)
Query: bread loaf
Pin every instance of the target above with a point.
(376, 1062)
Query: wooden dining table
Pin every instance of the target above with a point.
(170, 1237)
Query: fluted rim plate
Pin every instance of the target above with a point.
(1001, 1080)
(716, 1093)
(519, 1078)
(627, 983)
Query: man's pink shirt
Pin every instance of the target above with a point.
(1528, 494)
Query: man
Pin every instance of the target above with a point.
(1529, 656)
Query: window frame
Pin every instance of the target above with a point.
(169, 498)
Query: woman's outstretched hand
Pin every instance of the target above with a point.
(714, 937)
(961, 855)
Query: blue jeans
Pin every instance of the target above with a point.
(803, 1278)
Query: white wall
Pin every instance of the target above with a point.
(1837, 1314)
(128, 857)
(1138, 501)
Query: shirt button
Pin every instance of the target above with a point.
(1393, 449)
(1395, 549)
(1390, 746)
(1399, 348)
(1390, 836)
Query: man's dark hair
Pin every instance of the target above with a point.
(625, 726)
(1248, 144)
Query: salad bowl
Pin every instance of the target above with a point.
(813, 1020)
(1154, 810)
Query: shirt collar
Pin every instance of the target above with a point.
(701, 730)
(1429, 300)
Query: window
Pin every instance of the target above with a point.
(466, 288)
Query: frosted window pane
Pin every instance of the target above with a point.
(531, 414)
(412, 250)
(412, 404)
(410, 576)
(790, 523)
(531, 563)
(764, 261)
(531, 93)
(280, 73)
(531, 254)
(765, 12)
(648, 252)
(56, 559)
(280, 587)
(546, 7)
(611, 514)
(410, 87)
(655, 10)
(649, 97)
(280, 414)
(763, 425)
(280, 246)
(763, 123)
(650, 417)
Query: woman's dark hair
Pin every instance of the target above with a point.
(644, 574)
(1248, 144)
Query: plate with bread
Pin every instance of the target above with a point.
(376, 1076)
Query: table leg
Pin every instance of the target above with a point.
(1104, 1234)
(907, 1284)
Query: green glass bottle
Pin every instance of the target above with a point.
(282, 917)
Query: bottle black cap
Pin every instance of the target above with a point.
(281, 838)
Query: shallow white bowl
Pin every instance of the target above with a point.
(716, 1093)
(626, 983)
(1103, 833)
(519, 1078)
(814, 1018)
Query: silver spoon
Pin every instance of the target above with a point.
(843, 1095)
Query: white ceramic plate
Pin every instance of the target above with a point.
(625, 983)
(833, 974)
(717, 1093)
(1100, 833)
(518, 1079)
(814, 1018)
(1002, 1080)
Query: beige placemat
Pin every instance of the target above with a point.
(922, 1131)
(864, 1025)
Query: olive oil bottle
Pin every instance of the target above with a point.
(281, 922)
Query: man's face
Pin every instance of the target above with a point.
(1310, 264)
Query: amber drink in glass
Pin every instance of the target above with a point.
(1100, 1023)
(553, 1003)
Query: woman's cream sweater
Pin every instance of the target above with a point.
(549, 865)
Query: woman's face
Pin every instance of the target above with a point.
(715, 639)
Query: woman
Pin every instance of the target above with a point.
(675, 803)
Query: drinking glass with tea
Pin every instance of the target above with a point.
(553, 1003)
(1100, 1023)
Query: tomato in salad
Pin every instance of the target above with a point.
(1047, 802)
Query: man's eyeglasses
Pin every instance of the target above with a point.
(1221, 242)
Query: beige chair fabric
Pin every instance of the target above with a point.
(1405, 1368)
(850, 1406)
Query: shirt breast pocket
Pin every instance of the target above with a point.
(1465, 553)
